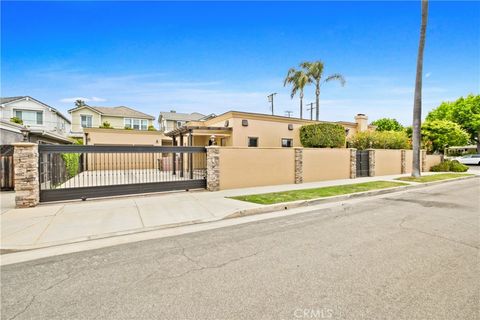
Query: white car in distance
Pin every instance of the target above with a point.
(469, 159)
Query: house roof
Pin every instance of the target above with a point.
(176, 116)
(120, 111)
(5, 100)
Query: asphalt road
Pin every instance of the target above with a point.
(410, 255)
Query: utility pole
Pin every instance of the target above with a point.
(288, 113)
(270, 99)
(310, 109)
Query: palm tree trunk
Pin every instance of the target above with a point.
(317, 93)
(417, 104)
(301, 104)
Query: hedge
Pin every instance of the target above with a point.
(379, 140)
(322, 135)
(448, 165)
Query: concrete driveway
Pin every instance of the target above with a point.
(410, 255)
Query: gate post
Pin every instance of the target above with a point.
(25, 159)
(298, 165)
(353, 163)
(423, 167)
(403, 161)
(213, 168)
(371, 162)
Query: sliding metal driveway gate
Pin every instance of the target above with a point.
(80, 172)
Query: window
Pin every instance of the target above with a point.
(86, 121)
(136, 124)
(252, 141)
(30, 117)
(287, 143)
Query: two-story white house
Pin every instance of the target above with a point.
(44, 123)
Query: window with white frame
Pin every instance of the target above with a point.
(30, 117)
(86, 121)
(137, 124)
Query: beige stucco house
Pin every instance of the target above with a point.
(245, 129)
(118, 117)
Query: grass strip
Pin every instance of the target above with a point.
(435, 177)
(306, 194)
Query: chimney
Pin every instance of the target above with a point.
(362, 122)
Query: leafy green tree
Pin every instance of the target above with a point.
(379, 140)
(322, 135)
(439, 134)
(298, 79)
(465, 112)
(314, 71)
(16, 120)
(387, 124)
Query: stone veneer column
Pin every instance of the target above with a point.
(404, 161)
(371, 162)
(298, 165)
(25, 162)
(353, 163)
(423, 154)
(213, 168)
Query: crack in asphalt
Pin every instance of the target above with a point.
(432, 234)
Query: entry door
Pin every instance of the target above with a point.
(363, 163)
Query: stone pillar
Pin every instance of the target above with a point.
(25, 162)
(404, 161)
(298, 165)
(371, 162)
(213, 168)
(353, 163)
(423, 166)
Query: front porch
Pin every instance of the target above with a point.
(201, 136)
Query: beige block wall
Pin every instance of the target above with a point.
(408, 161)
(77, 120)
(388, 162)
(325, 164)
(125, 137)
(253, 167)
(432, 160)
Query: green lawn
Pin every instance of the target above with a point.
(435, 177)
(306, 194)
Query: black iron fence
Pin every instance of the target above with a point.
(76, 172)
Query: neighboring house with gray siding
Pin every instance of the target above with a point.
(172, 120)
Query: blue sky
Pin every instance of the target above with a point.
(217, 56)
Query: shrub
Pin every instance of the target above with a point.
(151, 128)
(106, 125)
(322, 135)
(379, 140)
(449, 165)
(128, 128)
(71, 163)
(16, 120)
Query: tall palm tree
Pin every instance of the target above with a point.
(314, 71)
(79, 103)
(417, 104)
(298, 79)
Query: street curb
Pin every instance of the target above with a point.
(306, 203)
(237, 214)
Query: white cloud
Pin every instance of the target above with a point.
(92, 99)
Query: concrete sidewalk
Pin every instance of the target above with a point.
(69, 222)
